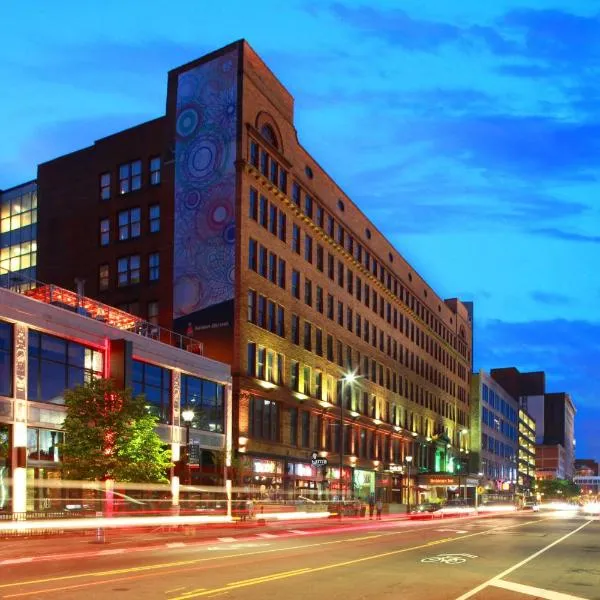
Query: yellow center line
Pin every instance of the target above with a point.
(354, 561)
(184, 563)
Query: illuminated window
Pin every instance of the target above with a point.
(154, 266)
(128, 270)
(206, 399)
(154, 215)
(130, 177)
(155, 170)
(105, 186)
(129, 223)
(103, 277)
(155, 384)
(6, 362)
(104, 232)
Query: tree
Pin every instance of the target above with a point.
(557, 489)
(110, 435)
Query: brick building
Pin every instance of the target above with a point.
(215, 220)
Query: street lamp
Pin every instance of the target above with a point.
(348, 378)
(187, 416)
(408, 460)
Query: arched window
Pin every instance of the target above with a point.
(269, 135)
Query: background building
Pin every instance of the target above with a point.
(554, 416)
(213, 219)
(494, 437)
(18, 235)
(526, 456)
(587, 476)
(50, 340)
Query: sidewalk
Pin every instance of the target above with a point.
(84, 544)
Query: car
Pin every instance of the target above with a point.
(531, 505)
(426, 507)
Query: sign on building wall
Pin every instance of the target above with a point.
(205, 147)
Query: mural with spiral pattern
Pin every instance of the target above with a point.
(205, 150)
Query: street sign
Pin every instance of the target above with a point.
(318, 461)
(194, 454)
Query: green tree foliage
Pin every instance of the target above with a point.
(557, 489)
(110, 435)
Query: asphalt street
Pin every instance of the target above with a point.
(511, 557)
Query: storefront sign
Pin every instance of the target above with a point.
(318, 461)
(302, 470)
(265, 466)
(438, 480)
(395, 468)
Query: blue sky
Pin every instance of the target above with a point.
(468, 131)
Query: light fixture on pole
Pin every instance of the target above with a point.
(187, 416)
(348, 378)
(408, 460)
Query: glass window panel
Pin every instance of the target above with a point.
(76, 354)
(53, 348)
(32, 443)
(53, 382)
(136, 167)
(76, 377)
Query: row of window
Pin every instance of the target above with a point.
(129, 224)
(130, 177)
(305, 203)
(496, 422)
(268, 365)
(319, 433)
(498, 447)
(495, 400)
(129, 271)
(272, 267)
(56, 364)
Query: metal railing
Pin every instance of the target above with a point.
(93, 309)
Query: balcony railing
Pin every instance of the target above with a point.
(87, 307)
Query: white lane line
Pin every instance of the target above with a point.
(266, 535)
(16, 561)
(485, 584)
(115, 551)
(226, 539)
(534, 591)
(176, 545)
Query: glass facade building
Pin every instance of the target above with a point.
(18, 235)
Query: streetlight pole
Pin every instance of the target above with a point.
(408, 460)
(348, 378)
(187, 416)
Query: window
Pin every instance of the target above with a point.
(273, 219)
(254, 153)
(44, 444)
(308, 206)
(263, 216)
(6, 358)
(296, 193)
(274, 174)
(305, 426)
(128, 270)
(264, 163)
(272, 267)
(340, 274)
(251, 359)
(264, 419)
(306, 378)
(104, 232)
(155, 384)
(154, 266)
(282, 227)
(129, 223)
(55, 364)
(320, 216)
(105, 186)
(253, 204)
(319, 341)
(262, 261)
(295, 375)
(207, 400)
(283, 180)
(153, 312)
(308, 292)
(307, 336)
(293, 426)
(280, 321)
(320, 257)
(155, 170)
(330, 348)
(251, 306)
(330, 306)
(252, 254)
(281, 273)
(268, 135)
(295, 329)
(296, 283)
(308, 248)
(130, 177)
(103, 277)
(154, 218)
(319, 385)
(296, 239)
(319, 301)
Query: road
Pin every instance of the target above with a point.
(521, 556)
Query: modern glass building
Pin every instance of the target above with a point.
(18, 235)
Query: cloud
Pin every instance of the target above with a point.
(568, 236)
(550, 298)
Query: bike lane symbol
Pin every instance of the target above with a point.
(448, 559)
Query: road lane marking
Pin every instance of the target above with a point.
(485, 584)
(266, 535)
(453, 530)
(267, 579)
(226, 539)
(185, 563)
(528, 590)
(176, 545)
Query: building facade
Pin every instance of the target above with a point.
(52, 340)
(526, 454)
(554, 416)
(494, 436)
(215, 220)
(18, 235)
(587, 477)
